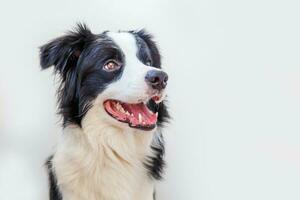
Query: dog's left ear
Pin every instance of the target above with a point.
(63, 52)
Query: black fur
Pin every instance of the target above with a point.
(154, 195)
(155, 164)
(148, 49)
(78, 58)
(54, 193)
(149, 54)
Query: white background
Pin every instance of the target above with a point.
(234, 93)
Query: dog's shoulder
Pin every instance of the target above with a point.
(155, 163)
(54, 193)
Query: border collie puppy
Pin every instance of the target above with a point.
(111, 99)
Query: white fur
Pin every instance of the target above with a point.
(131, 87)
(103, 159)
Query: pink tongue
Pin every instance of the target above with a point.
(136, 109)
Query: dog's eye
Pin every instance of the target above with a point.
(111, 65)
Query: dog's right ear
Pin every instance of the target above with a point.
(63, 52)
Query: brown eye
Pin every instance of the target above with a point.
(111, 65)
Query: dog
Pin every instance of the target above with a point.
(112, 102)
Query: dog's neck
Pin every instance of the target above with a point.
(130, 144)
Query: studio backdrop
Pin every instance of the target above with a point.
(233, 93)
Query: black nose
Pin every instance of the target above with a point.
(157, 79)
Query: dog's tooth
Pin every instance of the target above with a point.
(140, 118)
(118, 106)
(156, 114)
(122, 110)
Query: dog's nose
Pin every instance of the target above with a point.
(157, 79)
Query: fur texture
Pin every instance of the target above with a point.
(98, 157)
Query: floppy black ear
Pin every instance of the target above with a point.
(63, 52)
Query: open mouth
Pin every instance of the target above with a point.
(135, 115)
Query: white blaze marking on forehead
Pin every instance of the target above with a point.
(131, 87)
(127, 42)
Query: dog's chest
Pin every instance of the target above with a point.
(104, 183)
(83, 174)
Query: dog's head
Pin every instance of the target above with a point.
(118, 75)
